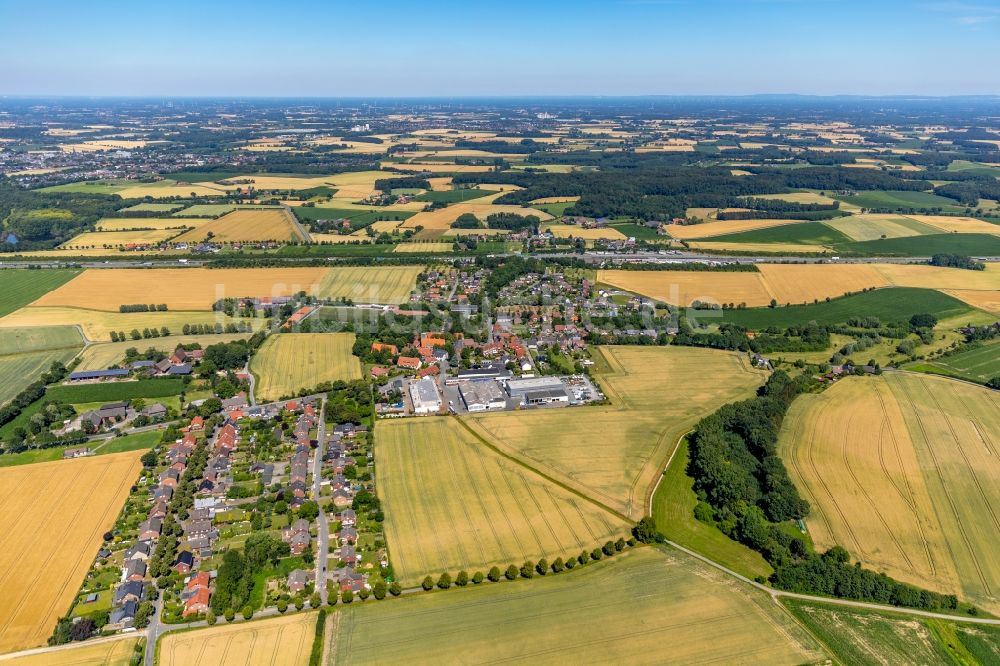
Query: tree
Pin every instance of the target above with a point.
(608, 548)
(994, 383)
(542, 567)
(511, 572)
(527, 570)
(427, 583)
(309, 510)
(148, 459)
(395, 589)
(494, 574)
(558, 565)
(299, 602)
(444, 582)
(477, 577)
(282, 605)
(379, 590)
(230, 615)
(247, 612)
(211, 618)
(462, 579)
(142, 614)
(645, 531)
(596, 554)
(347, 596)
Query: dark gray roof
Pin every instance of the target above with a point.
(98, 374)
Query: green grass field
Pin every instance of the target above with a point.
(91, 187)
(673, 510)
(19, 287)
(39, 338)
(807, 233)
(637, 231)
(976, 245)
(556, 209)
(888, 304)
(861, 637)
(901, 200)
(978, 365)
(974, 167)
(454, 196)
(143, 440)
(17, 371)
(112, 391)
(357, 217)
(642, 607)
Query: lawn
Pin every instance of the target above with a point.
(976, 245)
(137, 442)
(888, 304)
(19, 287)
(290, 362)
(646, 606)
(452, 503)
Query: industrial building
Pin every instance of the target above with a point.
(538, 390)
(482, 396)
(425, 397)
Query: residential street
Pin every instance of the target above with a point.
(323, 548)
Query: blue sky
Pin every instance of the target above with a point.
(514, 47)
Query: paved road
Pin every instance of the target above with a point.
(323, 540)
(153, 631)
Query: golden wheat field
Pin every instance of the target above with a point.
(437, 167)
(722, 227)
(647, 606)
(614, 453)
(127, 223)
(290, 362)
(166, 189)
(107, 653)
(803, 283)
(113, 239)
(903, 470)
(390, 285)
(97, 325)
(52, 516)
(417, 248)
(281, 641)
(338, 238)
(684, 287)
(772, 248)
(873, 226)
(178, 288)
(957, 224)
(549, 200)
(246, 225)
(480, 509)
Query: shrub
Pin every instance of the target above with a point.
(494, 574)
(247, 612)
(511, 572)
(477, 577)
(347, 596)
(379, 590)
(444, 582)
(462, 579)
(395, 589)
(428, 583)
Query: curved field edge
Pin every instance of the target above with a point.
(903, 471)
(625, 609)
(614, 453)
(289, 362)
(277, 641)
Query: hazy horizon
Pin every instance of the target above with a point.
(515, 49)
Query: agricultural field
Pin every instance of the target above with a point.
(289, 362)
(614, 453)
(805, 283)
(454, 196)
(870, 638)
(437, 222)
(115, 239)
(179, 288)
(104, 355)
(26, 353)
(153, 208)
(246, 225)
(98, 325)
(477, 510)
(900, 200)
(761, 248)
(806, 233)
(927, 245)
(281, 641)
(51, 535)
(108, 653)
(417, 248)
(20, 287)
(873, 226)
(888, 304)
(684, 287)
(206, 210)
(367, 284)
(903, 470)
(643, 607)
(979, 365)
(127, 223)
(722, 227)
(574, 231)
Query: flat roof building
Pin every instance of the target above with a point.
(481, 396)
(518, 388)
(424, 394)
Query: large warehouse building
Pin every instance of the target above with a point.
(424, 395)
(538, 390)
(482, 396)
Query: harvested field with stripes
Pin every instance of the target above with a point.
(97, 325)
(126, 223)
(52, 516)
(114, 239)
(721, 227)
(108, 653)
(452, 503)
(684, 287)
(574, 231)
(289, 362)
(246, 225)
(647, 606)
(903, 470)
(281, 641)
(615, 453)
